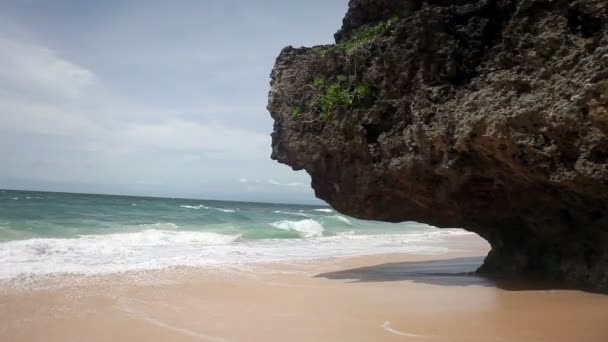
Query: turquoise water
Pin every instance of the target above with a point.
(44, 233)
(61, 215)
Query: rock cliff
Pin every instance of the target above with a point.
(490, 115)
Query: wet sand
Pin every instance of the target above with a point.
(397, 297)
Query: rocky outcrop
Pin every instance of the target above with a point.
(491, 115)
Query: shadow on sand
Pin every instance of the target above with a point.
(444, 272)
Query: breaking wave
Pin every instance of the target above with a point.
(307, 228)
(158, 249)
(197, 207)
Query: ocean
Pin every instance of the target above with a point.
(43, 233)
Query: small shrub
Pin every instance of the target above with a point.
(360, 36)
(328, 95)
(318, 83)
(296, 112)
(363, 90)
(337, 93)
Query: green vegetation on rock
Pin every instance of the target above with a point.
(342, 90)
(296, 112)
(329, 95)
(360, 36)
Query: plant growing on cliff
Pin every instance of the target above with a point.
(296, 112)
(329, 95)
(336, 94)
(359, 37)
(363, 90)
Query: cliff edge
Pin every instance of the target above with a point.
(490, 115)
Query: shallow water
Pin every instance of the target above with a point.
(46, 233)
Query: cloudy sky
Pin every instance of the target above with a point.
(159, 98)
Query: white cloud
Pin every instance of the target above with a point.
(65, 121)
(39, 71)
(210, 138)
(42, 92)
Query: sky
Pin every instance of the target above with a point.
(154, 98)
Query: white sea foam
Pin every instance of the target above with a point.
(324, 210)
(308, 228)
(197, 207)
(449, 232)
(147, 249)
(387, 326)
(194, 206)
(341, 218)
(158, 249)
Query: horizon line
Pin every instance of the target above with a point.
(163, 197)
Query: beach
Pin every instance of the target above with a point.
(389, 297)
(276, 171)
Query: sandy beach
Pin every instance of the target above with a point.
(396, 297)
(283, 171)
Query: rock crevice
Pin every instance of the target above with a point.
(490, 115)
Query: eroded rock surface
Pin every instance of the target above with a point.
(491, 115)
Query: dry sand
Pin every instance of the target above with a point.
(398, 297)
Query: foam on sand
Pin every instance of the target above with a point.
(158, 249)
(146, 249)
(387, 326)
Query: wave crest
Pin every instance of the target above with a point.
(197, 207)
(341, 219)
(194, 207)
(307, 228)
(146, 249)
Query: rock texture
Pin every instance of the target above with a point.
(491, 115)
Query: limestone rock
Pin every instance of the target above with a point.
(490, 115)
